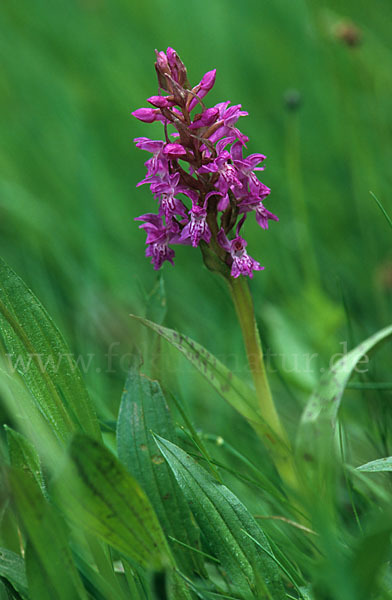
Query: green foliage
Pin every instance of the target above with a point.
(315, 435)
(376, 466)
(48, 548)
(239, 395)
(224, 521)
(81, 511)
(37, 352)
(12, 568)
(96, 493)
(144, 410)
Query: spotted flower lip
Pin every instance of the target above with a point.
(242, 264)
(204, 186)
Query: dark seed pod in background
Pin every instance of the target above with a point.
(292, 99)
(348, 33)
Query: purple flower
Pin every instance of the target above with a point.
(246, 167)
(228, 117)
(148, 115)
(222, 165)
(202, 88)
(197, 228)
(243, 264)
(160, 101)
(165, 190)
(262, 214)
(158, 162)
(205, 119)
(174, 150)
(199, 163)
(158, 237)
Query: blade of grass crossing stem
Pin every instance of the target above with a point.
(237, 393)
(143, 410)
(222, 518)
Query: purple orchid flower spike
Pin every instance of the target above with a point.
(198, 174)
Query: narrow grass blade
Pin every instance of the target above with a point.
(237, 393)
(384, 212)
(377, 466)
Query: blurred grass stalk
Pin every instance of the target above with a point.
(275, 439)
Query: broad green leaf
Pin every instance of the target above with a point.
(237, 393)
(12, 568)
(97, 493)
(225, 523)
(316, 429)
(36, 350)
(47, 534)
(144, 409)
(23, 456)
(376, 466)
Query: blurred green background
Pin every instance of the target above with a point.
(71, 74)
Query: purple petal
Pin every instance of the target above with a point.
(159, 101)
(174, 150)
(223, 241)
(208, 117)
(144, 143)
(147, 115)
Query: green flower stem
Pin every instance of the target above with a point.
(273, 434)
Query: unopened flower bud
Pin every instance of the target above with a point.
(177, 67)
(148, 115)
(174, 150)
(160, 101)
